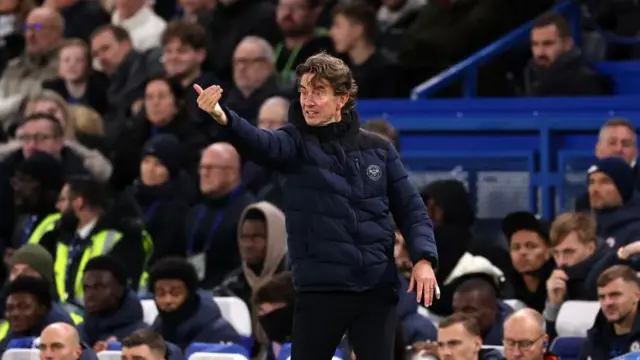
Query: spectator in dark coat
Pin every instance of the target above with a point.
(186, 316)
(150, 345)
(81, 17)
(416, 326)
(112, 311)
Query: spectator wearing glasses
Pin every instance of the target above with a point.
(525, 337)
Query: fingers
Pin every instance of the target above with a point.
(412, 280)
(198, 89)
(419, 291)
(428, 292)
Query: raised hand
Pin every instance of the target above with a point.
(208, 100)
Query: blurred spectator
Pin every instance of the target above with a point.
(230, 22)
(394, 17)
(477, 296)
(164, 113)
(557, 67)
(212, 225)
(81, 17)
(263, 251)
(617, 137)
(149, 345)
(112, 310)
(91, 226)
(13, 15)
(254, 77)
(530, 252)
(184, 52)
(89, 127)
(144, 26)
(161, 192)
(61, 341)
(29, 309)
(128, 71)
(193, 9)
(49, 102)
(77, 82)
(275, 301)
(383, 128)
(298, 20)
(353, 33)
(615, 202)
(272, 114)
(616, 330)
(525, 337)
(43, 34)
(186, 316)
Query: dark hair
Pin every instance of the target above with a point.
(618, 121)
(191, 34)
(555, 19)
(111, 265)
(384, 128)
(334, 71)
(477, 282)
(255, 214)
(278, 289)
(361, 13)
(175, 268)
(470, 324)
(92, 191)
(616, 272)
(174, 87)
(147, 337)
(119, 33)
(39, 288)
(58, 131)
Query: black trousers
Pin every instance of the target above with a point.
(322, 318)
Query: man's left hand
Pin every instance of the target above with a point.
(423, 281)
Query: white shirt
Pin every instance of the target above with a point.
(145, 28)
(85, 231)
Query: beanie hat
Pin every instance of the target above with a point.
(45, 169)
(620, 173)
(37, 258)
(174, 268)
(168, 149)
(111, 265)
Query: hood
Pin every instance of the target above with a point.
(129, 312)
(610, 220)
(276, 242)
(206, 314)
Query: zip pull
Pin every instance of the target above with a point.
(357, 164)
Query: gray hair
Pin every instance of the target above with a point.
(266, 48)
(277, 101)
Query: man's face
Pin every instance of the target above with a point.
(57, 346)
(345, 33)
(108, 51)
(523, 340)
(101, 291)
(141, 352)
(253, 241)
(180, 59)
(22, 270)
(41, 32)
(215, 173)
(571, 251)
(456, 343)
(153, 172)
(617, 141)
(169, 294)
(528, 251)
(39, 135)
(473, 304)
(64, 203)
(250, 66)
(295, 17)
(603, 193)
(272, 117)
(22, 311)
(26, 191)
(547, 45)
(320, 104)
(618, 300)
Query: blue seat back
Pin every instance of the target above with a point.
(114, 346)
(285, 352)
(567, 348)
(216, 349)
(21, 343)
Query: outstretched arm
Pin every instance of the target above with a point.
(262, 146)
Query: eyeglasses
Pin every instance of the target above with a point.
(520, 344)
(33, 27)
(35, 137)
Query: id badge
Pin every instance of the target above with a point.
(199, 261)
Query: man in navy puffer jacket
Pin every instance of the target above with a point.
(340, 183)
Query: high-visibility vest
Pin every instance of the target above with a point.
(47, 224)
(100, 244)
(4, 324)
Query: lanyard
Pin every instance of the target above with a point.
(151, 211)
(290, 61)
(217, 220)
(28, 228)
(75, 246)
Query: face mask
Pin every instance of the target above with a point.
(278, 324)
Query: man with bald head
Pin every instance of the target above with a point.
(43, 34)
(273, 113)
(212, 224)
(60, 341)
(524, 336)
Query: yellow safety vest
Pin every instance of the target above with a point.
(47, 224)
(101, 244)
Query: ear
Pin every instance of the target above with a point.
(591, 247)
(568, 43)
(342, 101)
(477, 343)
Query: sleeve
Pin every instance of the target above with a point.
(409, 212)
(264, 147)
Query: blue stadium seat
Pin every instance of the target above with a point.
(285, 353)
(624, 75)
(216, 349)
(114, 346)
(567, 348)
(21, 343)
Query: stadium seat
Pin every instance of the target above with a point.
(435, 319)
(628, 356)
(285, 353)
(110, 355)
(21, 354)
(567, 348)
(202, 349)
(114, 346)
(149, 310)
(576, 318)
(22, 343)
(235, 311)
(515, 304)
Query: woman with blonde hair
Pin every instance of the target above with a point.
(89, 127)
(49, 102)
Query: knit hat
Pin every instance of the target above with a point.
(37, 258)
(620, 173)
(174, 268)
(45, 169)
(168, 149)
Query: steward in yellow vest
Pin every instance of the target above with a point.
(91, 227)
